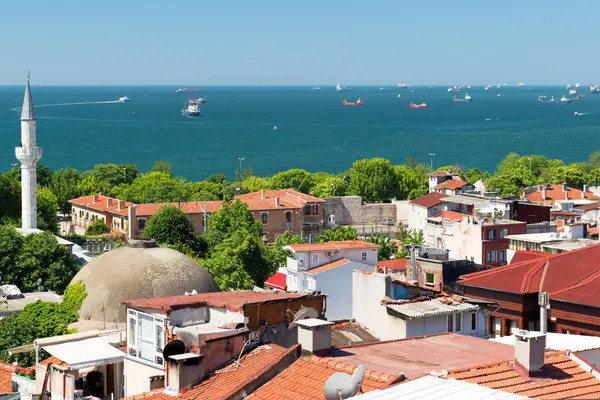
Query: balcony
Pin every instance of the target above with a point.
(28, 155)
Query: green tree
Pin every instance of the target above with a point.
(98, 227)
(11, 243)
(228, 267)
(232, 217)
(372, 179)
(408, 236)
(43, 261)
(453, 168)
(47, 207)
(327, 185)
(512, 182)
(155, 187)
(162, 166)
(242, 174)
(411, 183)
(337, 233)
(472, 175)
(105, 178)
(297, 179)
(65, 184)
(10, 198)
(386, 250)
(171, 227)
(256, 183)
(43, 175)
(204, 191)
(277, 255)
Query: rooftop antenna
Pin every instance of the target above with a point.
(343, 386)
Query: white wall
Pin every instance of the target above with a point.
(433, 235)
(224, 316)
(463, 240)
(322, 258)
(417, 218)
(337, 284)
(402, 211)
(438, 324)
(137, 377)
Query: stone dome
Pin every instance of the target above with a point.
(140, 270)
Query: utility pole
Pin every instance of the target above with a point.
(431, 159)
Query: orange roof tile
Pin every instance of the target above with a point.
(188, 207)
(429, 200)
(306, 378)
(6, 371)
(453, 216)
(397, 264)
(56, 362)
(561, 378)
(99, 202)
(277, 199)
(334, 245)
(328, 266)
(225, 383)
(451, 184)
(555, 192)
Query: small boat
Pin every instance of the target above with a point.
(403, 85)
(358, 102)
(399, 95)
(572, 92)
(552, 100)
(316, 88)
(568, 86)
(580, 96)
(520, 84)
(594, 89)
(186, 90)
(382, 89)
(124, 99)
(341, 88)
(467, 99)
(201, 100)
(192, 109)
(498, 86)
(577, 85)
(576, 113)
(488, 87)
(275, 127)
(454, 89)
(413, 105)
(565, 99)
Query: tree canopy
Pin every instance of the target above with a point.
(338, 233)
(171, 227)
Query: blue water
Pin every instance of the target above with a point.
(315, 131)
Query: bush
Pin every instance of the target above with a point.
(98, 227)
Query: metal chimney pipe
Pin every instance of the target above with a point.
(543, 301)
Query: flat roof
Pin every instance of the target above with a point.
(427, 308)
(312, 322)
(560, 341)
(421, 355)
(537, 237)
(503, 222)
(571, 244)
(466, 200)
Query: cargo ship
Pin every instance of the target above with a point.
(467, 99)
(192, 109)
(413, 105)
(342, 88)
(358, 102)
(186, 90)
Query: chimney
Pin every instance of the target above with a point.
(543, 194)
(543, 302)
(184, 370)
(314, 334)
(564, 187)
(412, 250)
(108, 202)
(276, 201)
(120, 205)
(132, 223)
(529, 350)
(94, 198)
(586, 189)
(262, 194)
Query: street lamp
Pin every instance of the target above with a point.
(125, 174)
(241, 159)
(431, 159)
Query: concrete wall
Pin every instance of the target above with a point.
(438, 324)
(137, 376)
(349, 210)
(463, 240)
(189, 316)
(222, 316)
(402, 211)
(337, 283)
(418, 215)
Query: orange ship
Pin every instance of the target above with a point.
(358, 102)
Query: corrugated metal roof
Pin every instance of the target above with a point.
(427, 308)
(430, 387)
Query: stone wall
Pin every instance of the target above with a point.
(350, 210)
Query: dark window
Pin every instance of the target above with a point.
(141, 223)
(307, 209)
(315, 209)
(264, 217)
(474, 321)
(491, 234)
(450, 320)
(429, 278)
(288, 216)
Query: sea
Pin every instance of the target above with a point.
(277, 128)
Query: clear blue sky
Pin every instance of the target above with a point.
(300, 42)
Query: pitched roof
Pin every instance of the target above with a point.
(560, 378)
(233, 301)
(277, 199)
(226, 382)
(100, 202)
(55, 361)
(332, 265)
(397, 264)
(552, 274)
(6, 371)
(451, 184)
(453, 215)
(442, 173)
(555, 192)
(429, 200)
(587, 207)
(350, 333)
(525, 255)
(436, 306)
(188, 207)
(305, 379)
(277, 281)
(333, 245)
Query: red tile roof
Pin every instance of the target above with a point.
(593, 231)
(555, 192)
(441, 173)
(587, 207)
(277, 281)
(396, 265)
(277, 199)
(188, 207)
(524, 255)
(6, 371)
(334, 245)
(453, 216)
(229, 381)
(561, 378)
(328, 266)
(551, 274)
(101, 203)
(451, 184)
(305, 379)
(429, 200)
(233, 301)
(56, 362)
(563, 214)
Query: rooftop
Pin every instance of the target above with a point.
(468, 200)
(560, 341)
(397, 264)
(571, 244)
(6, 371)
(451, 184)
(188, 207)
(442, 173)
(561, 378)
(350, 333)
(556, 192)
(588, 207)
(420, 355)
(100, 202)
(333, 245)
(277, 281)
(429, 200)
(224, 383)
(233, 301)
(305, 379)
(277, 199)
(426, 308)
(538, 237)
(524, 255)
(335, 264)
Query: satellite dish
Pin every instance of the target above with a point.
(173, 348)
(343, 386)
(301, 314)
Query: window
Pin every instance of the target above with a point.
(264, 217)
(491, 257)
(315, 209)
(450, 320)
(429, 278)
(146, 337)
(491, 234)
(457, 322)
(473, 321)
(512, 326)
(315, 259)
(502, 255)
(122, 223)
(503, 233)
(307, 209)
(288, 217)
(364, 256)
(141, 223)
(496, 327)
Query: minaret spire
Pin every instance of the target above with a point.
(28, 153)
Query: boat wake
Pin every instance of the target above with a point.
(70, 104)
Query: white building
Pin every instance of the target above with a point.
(28, 153)
(327, 267)
(438, 177)
(375, 305)
(422, 208)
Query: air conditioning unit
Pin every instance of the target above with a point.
(301, 263)
(329, 253)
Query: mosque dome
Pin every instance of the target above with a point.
(140, 270)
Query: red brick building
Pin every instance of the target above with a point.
(571, 279)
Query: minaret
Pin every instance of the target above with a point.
(28, 154)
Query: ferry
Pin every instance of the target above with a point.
(358, 102)
(403, 85)
(193, 108)
(124, 99)
(454, 89)
(488, 87)
(413, 105)
(520, 84)
(186, 90)
(341, 88)
(565, 99)
(467, 99)
(201, 100)
(594, 89)
(572, 92)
